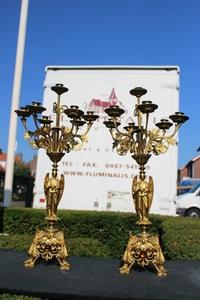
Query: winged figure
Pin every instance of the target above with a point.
(53, 188)
(142, 192)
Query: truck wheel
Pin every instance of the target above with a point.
(193, 213)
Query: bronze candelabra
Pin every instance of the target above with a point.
(56, 140)
(144, 248)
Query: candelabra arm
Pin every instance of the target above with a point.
(147, 121)
(140, 142)
(42, 139)
(72, 128)
(75, 133)
(116, 134)
(89, 125)
(35, 120)
(63, 108)
(118, 131)
(113, 134)
(158, 143)
(123, 133)
(28, 134)
(23, 120)
(138, 113)
(58, 112)
(163, 132)
(177, 126)
(83, 135)
(139, 119)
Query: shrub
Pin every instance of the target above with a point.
(87, 247)
(1, 218)
(15, 242)
(17, 297)
(22, 220)
(75, 246)
(103, 234)
(181, 238)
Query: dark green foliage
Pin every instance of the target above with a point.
(22, 220)
(87, 247)
(75, 246)
(15, 242)
(111, 229)
(17, 297)
(181, 238)
(21, 169)
(102, 234)
(1, 218)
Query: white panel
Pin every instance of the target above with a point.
(96, 177)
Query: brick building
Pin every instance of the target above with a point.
(32, 165)
(191, 169)
(18, 160)
(3, 157)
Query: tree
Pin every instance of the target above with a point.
(21, 169)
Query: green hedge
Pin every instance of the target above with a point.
(102, 234)
(17, 297)
(181, 238)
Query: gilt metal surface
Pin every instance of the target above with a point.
(57, 140)
(142, 193)
(144, 250)
(141, 142)
(48, 244)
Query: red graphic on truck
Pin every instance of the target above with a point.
(98, 106)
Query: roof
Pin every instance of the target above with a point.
(97, 102)
(195, 158)
(2, 168)
(113, 95)
(33, 163)
(190, 161)
(3, 156)
(167, 68)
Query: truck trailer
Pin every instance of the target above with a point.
(96, 177)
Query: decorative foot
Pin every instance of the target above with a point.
(64, 265)
(161, 271)
(48, 244)
(30, 262)
(143, 249)
(125, 268)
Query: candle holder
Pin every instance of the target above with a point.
(144, 248)
(57, 140)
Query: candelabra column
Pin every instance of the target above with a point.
(49, 243)
(143, 249)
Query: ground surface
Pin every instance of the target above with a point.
(91, 278)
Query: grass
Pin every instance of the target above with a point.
(17, 297)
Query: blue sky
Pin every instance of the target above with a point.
(106, 32)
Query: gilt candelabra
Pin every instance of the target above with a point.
(57, 140)
(144, 248)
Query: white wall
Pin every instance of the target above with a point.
(97, 174)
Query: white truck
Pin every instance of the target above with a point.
(188, 204)
(97, 178)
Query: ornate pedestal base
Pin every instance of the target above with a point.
(48, 244)
(143, 249)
